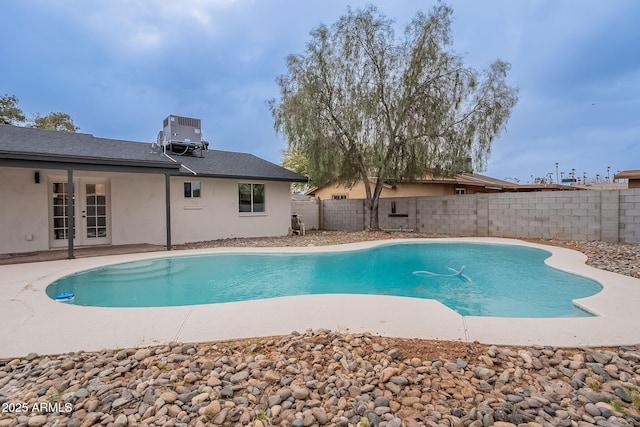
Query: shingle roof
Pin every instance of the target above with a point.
(44, 145)
(229, 164)
(40, 144)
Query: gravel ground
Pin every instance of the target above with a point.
(324, 378)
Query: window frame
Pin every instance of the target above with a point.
(190, 193)
(254, 192)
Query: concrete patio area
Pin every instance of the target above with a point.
(32, 322)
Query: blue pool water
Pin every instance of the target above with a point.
(497, 280)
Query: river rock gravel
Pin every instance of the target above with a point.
(322, 377)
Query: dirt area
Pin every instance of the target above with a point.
(408, 347)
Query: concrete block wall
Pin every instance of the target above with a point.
(345, 214)
(397, 213)
(572, 215)
(630, 216)
(448, 215)
(610, 215)
(309, 212)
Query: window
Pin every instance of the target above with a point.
(251, 197)
(192, 189)
(339, 197)
(460, 190)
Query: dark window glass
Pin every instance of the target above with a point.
(258, 197)
(192, 189)
(244, 193)
(251, 197)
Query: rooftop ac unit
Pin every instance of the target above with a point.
(182, 135)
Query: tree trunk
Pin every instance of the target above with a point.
(372, 210)
(372, 201)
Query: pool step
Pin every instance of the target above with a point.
(139, 270)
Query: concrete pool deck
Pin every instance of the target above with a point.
(32, 322)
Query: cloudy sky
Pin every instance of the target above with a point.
(120, 67)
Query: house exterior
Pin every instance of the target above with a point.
(632, 176)
(466, 183)
(128, 192)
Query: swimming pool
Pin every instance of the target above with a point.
(474, 279)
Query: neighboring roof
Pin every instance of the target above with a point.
(38, 145)
(628, 174)
(499, 184)
(469, 178)
(476, 180)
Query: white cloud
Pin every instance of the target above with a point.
(138, 27)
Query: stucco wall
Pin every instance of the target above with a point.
(24, 220)
(137, 209)
(215, 214)
(399, 190)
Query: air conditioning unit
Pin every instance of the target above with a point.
(181, 135)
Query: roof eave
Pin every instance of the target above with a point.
(36, 158)
(628, 174)
(263, 178)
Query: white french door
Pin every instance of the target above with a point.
(91, 212)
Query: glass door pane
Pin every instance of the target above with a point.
(96, 210)
(60, 199)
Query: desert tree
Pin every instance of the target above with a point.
(10, 113)
(296, 161)
(54, 121)
(363, 104)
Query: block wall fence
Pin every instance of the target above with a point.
(610, 216)
(309, 212)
